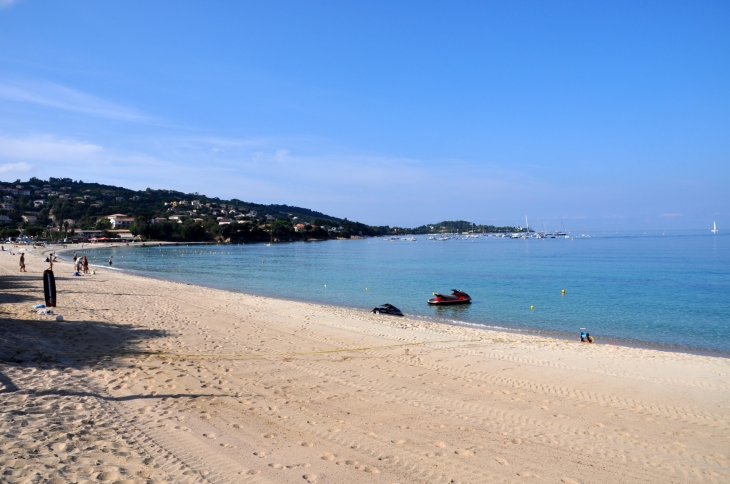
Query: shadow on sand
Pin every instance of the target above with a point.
(39, 342)
(23, 290)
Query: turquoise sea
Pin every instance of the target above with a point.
(668, 290)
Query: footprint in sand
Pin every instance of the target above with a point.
(568, 480)
(310, 477)
(269, 436)
(327, 456)
(502, 461)
(464, 453)
(438, 443)
(399, 441)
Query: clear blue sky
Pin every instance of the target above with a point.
(609, 115)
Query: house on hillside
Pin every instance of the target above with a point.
(120, 221)
(38, 203)
(31, 219)
(158, 220)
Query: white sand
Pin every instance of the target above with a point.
(253, 389)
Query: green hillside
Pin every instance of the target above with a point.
(61, 207)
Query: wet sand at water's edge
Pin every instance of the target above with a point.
(155, 381)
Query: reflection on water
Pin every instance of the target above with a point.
(457, 312)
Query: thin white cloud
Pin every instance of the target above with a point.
(61, 97)
(15, 167)
(8, 3)
(47, 148)
(78, 159)
(671, 215)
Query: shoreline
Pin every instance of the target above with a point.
(150, 380)
(564, 336)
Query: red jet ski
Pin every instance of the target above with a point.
(456, 297)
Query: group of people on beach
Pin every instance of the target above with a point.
(81, 264)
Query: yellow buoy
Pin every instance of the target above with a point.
(532, 307)
(366, 288)
(563, 291)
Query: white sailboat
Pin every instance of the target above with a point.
(714, 228)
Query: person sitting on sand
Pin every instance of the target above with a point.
(22, 262)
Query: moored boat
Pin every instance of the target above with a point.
(456, 297)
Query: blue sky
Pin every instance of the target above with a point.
(608, 115)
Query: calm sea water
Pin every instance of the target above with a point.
(671, 290)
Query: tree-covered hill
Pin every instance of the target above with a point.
(59, 207)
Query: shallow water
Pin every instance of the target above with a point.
(669, 290)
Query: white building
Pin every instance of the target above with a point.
(120, 221)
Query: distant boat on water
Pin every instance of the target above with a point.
(714, 228)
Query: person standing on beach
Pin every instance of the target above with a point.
(110, 260)
(22, 262)
(75, 257)
(86, 265)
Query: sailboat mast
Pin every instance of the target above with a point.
(527, 224)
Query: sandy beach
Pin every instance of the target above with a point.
(154, 381)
